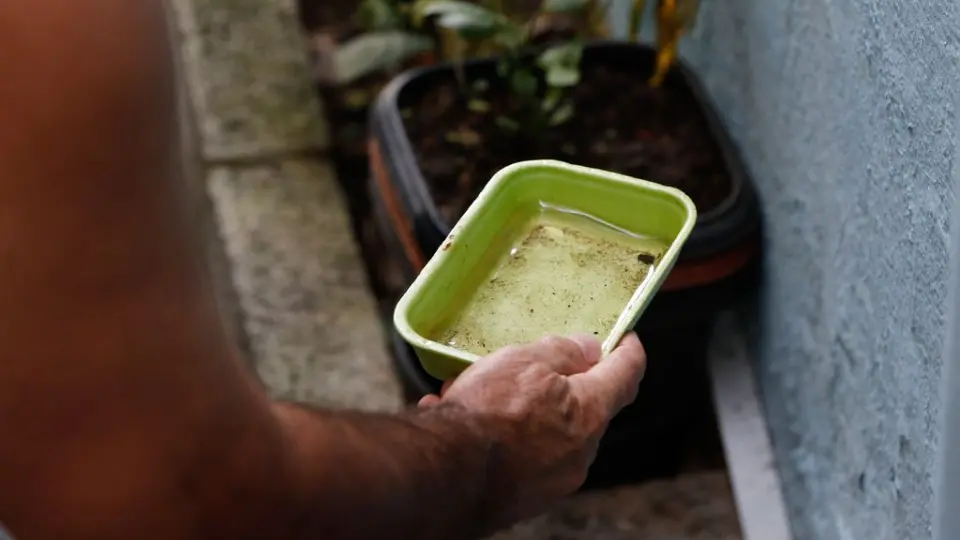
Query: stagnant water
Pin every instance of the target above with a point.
(568, 273)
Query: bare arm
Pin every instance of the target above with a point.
(423, 475)
(123, 410)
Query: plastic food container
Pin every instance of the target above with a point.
(513, 199)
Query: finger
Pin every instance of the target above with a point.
(428, 400)
(589, 346)
(446, 386)
(615, 379)
(567, 356)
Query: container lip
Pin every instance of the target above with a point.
(734, 218)
(630, 312)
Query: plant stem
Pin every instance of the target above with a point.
(668, 34)
(452, 50)
(597, 17)
(497, 6)
(636, 19)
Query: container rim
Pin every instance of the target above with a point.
(631, 312)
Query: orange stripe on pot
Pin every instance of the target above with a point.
(398, 218)
(425, 59)
(686, 275)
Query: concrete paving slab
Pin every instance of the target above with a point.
(310, 320)
(248, 76)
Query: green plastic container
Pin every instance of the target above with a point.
(494, 221)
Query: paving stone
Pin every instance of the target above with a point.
(690, 507)
(311, 322)
(248, 75)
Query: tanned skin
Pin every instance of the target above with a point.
(124, 412)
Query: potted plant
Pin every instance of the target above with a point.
(437, 134)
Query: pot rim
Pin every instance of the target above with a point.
(721, 228)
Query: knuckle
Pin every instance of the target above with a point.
(536, 372)
(562, 347)
(516, 416)
(557, 342)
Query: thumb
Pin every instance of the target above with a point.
(614, 381)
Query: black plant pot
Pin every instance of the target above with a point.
(416, 381)
(718, 265)
(715, 262)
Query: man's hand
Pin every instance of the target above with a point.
(546, 406)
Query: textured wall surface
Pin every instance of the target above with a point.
(845, 113)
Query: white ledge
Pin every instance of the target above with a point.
(754, 477)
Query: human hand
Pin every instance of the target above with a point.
(545, 405)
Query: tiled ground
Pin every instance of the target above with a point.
(247, 77)
(311, 322)
(288, 269)
(282, 252)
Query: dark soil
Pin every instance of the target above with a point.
(334, 17)
(620, 124)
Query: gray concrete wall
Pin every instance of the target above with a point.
(845, 112)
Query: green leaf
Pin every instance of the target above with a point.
(551, 100)
(478, 105)
(508, 124)
(510, 37)
(566, 54)
(369, 53)
(469, 20)
(637, 11)
(429, 8)
(563, 114)
(563, 77)
(503, 67)
(523, 83)
(561, 64)
(562, 6)
(480, 86)
(357, 98)
(463, 137)
(466, 27)
(380, 15)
